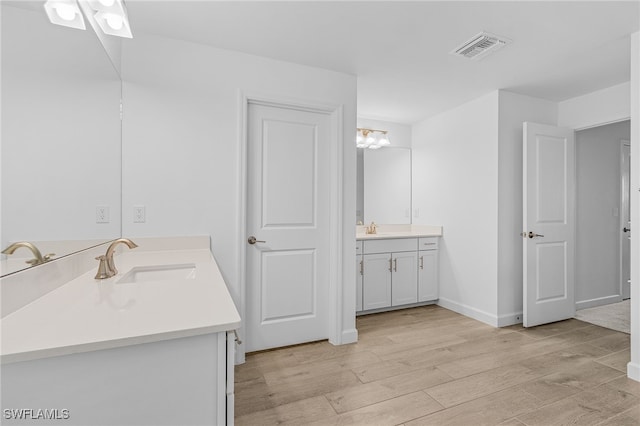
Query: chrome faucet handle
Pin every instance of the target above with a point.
(103, 272)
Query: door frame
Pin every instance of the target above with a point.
(623, 142)
(335, 112)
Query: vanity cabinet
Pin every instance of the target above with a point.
(389, 273)
(376, 281)
(427, 269)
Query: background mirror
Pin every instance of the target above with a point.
(384, 185)
(61, 137)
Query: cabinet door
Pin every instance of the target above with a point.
(404, 278)
(428, 275)
(376, 284)
(359, 276)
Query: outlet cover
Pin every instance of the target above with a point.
(139, 214)
(102, 214)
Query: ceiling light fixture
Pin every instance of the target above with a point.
(371, 138)
(111, 16)
(65, 12)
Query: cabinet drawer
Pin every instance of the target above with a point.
(391, 245)
(428, 243)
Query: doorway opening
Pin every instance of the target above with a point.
(602, 225)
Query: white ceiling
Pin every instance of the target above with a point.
(400, 50)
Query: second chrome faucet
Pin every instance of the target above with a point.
(107, 267)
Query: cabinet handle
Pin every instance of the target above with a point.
(395, 265)
(362, 267)
(421, 262)
(390, 265)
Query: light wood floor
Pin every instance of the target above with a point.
(431, 366)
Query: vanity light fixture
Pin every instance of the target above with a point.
(372, 138)
(111, 16)
(65, 12)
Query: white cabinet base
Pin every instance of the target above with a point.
(396, 273)
(179, 381)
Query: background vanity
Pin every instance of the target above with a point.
(396, 267)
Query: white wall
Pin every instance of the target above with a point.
(455, 175)
(181, 143)
(600, 107)
(597, 217)
(633, 368)
(514, 109)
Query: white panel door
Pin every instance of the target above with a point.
(288, 200)
(404, 278)
(549, 224)
(376, 288)
(625, 219)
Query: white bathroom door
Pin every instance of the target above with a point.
(288, 214)
(549, 224)
(625, 221)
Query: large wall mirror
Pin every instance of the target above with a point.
(384, 186)
(61, 137)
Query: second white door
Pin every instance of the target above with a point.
(549, 224)
(288, 202)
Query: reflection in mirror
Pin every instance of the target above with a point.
(61, 132)
(384, 185)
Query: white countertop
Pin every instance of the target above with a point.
(399, 231)
(88, 314)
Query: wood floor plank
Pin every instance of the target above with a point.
(626, 384)
(370, 393)
(586, 408)
(309, 371)
(488, 410)
(390, 412)
(478, 385)
(617, 360)
(631, 417)
(294, 413)
(571, 380)
(614, 342)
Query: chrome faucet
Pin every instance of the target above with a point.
(38, 260)
(371, 229)
(107, 267)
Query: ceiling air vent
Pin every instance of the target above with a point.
(480, 46)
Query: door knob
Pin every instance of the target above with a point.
(530, 234)
(625, 229)
(252, 240)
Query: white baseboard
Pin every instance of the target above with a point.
(510, 319)
(469, 311)
(584, 304)
(347, 336)
(633, 371)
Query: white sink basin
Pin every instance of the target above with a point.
(143, 274)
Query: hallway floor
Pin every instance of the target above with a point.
(431, 366)
(616, 316)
